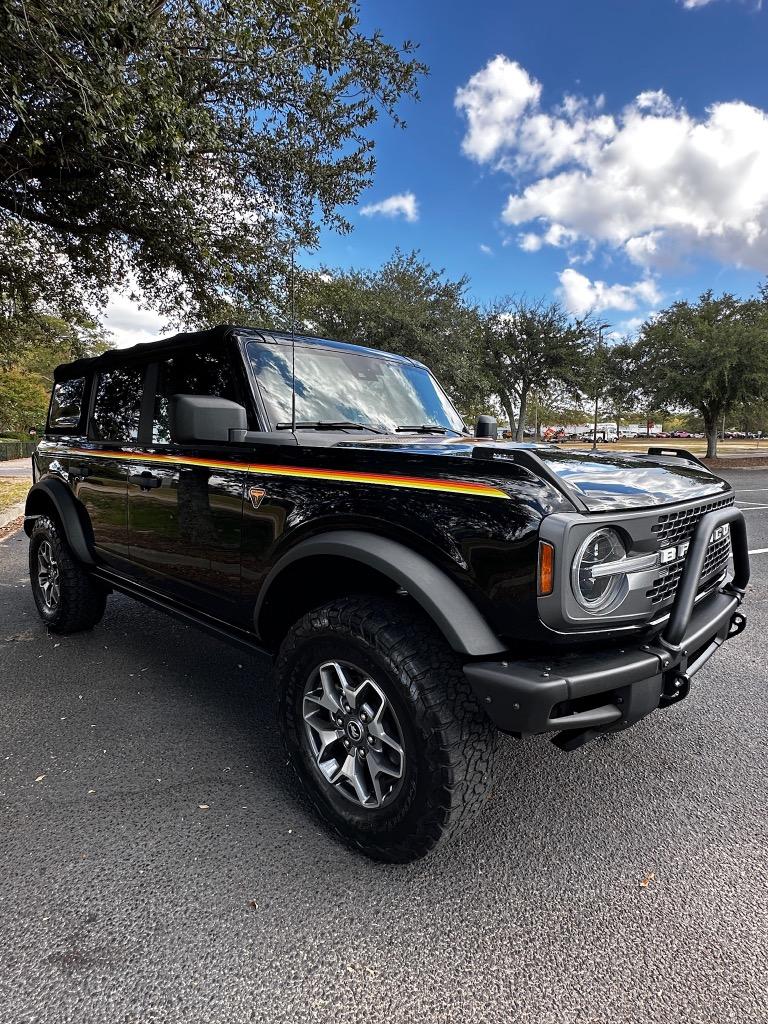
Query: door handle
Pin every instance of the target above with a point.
(146, 481)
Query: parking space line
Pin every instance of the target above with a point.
(759, 551)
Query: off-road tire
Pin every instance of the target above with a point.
(449, 743)
(82, 599)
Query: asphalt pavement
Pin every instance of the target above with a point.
(158, 865)
(16, 468)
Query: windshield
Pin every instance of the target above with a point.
(334, 386)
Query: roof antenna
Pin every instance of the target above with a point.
(293, 338)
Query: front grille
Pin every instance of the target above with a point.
(675, 528)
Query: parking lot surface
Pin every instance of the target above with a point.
(158, 865)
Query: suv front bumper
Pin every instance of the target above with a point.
(584, 693)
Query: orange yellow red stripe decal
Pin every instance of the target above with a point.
(420, 483)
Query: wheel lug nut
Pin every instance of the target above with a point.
(363, 717)
(371, 740)
(347, 744)
(361, 753)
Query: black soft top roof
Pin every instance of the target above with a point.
(157, 349)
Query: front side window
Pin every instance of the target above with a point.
(117, 404)
(343, 386)
(66, 404)
(198, 371)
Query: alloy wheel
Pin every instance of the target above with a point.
(48, 575)
(353, 734)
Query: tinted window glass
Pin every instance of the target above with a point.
(117, 404)
(66, 404)
(201, 371)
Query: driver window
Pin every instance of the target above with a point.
(195, 371)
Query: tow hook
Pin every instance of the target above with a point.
(737, 624)
(676, 689)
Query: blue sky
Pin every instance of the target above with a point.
(613, 152)
(603, 54)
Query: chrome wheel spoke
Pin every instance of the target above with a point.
(379, 764)
(355, 773)
(348, 691)
(327, 734)
(379, 731)
(326, 694)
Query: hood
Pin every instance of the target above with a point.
(602, 480)
(624, 480)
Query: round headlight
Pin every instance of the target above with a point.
(593, 587)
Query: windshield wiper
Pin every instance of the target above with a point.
(328, 425)
(424, 428)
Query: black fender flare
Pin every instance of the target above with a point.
(73, 521)
(442, 599)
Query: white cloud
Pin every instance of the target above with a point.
(403, 204)
(650, 180)
(632, 325)
(556, 235)
(494, 100)
(129, 323)
(581, 295)
(690, 4)
(486, 249)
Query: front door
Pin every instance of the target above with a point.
(185, 503)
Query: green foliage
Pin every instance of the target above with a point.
(531, 346)
(23, 400)
(406, 306)
(26, 367)
(707, 356)
(182, 145)
(751, 416)
(620, 390)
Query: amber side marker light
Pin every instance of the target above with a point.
(546, 569)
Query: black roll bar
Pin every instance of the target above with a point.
(687, 588)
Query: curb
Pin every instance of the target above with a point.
(11, 513)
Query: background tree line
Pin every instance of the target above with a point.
(529, 362)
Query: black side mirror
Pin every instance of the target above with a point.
(205, 418)
(486, 426)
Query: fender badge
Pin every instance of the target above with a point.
(256, 494)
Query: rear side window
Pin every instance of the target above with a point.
(66, 404)
(198, 371)
(117, 404)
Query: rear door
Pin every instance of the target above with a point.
(102, 465)
(185, 503)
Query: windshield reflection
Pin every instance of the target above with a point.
(342, 385)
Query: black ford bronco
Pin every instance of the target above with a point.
(420, 587)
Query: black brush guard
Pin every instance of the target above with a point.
(584, 693)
